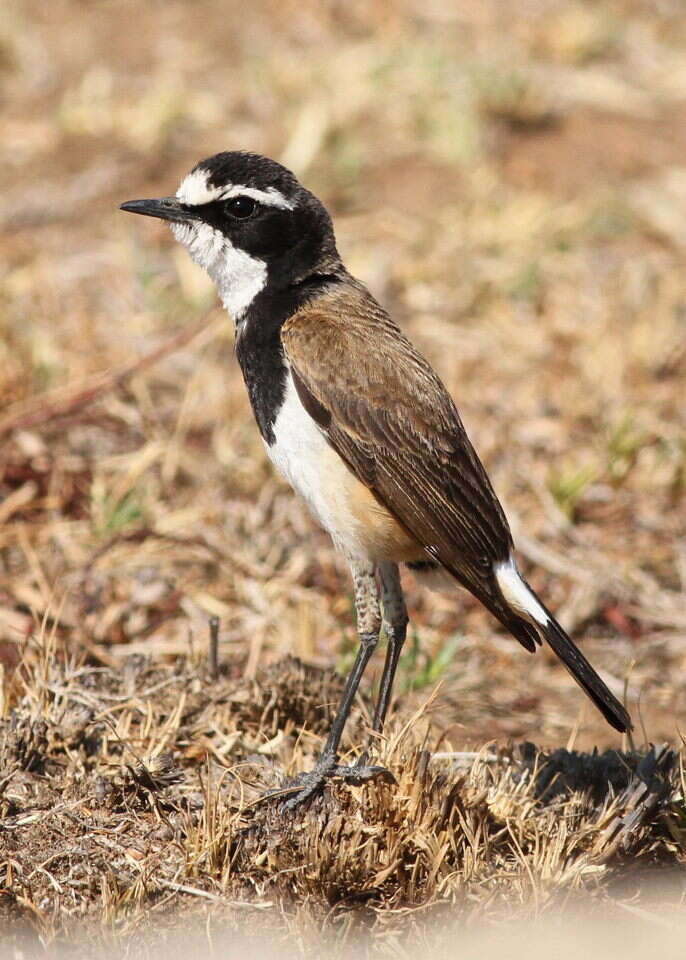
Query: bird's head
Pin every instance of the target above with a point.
(249, 223)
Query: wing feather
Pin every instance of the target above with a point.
(388, 415)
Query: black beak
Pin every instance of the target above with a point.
(165, 208)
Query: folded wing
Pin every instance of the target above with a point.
(387, 414)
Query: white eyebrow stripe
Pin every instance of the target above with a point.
(195, 191)
(271, 197)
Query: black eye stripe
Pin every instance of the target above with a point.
(241, 207)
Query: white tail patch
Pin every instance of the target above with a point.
(518, 594)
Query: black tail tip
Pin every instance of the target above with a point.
(619, 718)
(614, 712)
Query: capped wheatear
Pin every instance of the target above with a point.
(356, 420)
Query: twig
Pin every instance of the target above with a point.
(67, 400)
(206, 895)
(213, 653)
(256, 571)
(646, 791)
(461, 759)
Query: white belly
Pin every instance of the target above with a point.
(359, 526)
(302, 454)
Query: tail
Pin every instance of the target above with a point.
(526, 606)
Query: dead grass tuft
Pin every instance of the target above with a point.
(123, 790)
(509, 180)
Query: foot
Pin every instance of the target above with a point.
(307, 784)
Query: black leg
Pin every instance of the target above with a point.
(368, 626)
(368, 642)
(395, 622)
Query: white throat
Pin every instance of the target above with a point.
(238, 276)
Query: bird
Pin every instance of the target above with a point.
(358, 422)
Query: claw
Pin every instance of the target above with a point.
(310, 783)
(361, 773)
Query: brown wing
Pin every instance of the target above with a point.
(388, 415)
(391, 419)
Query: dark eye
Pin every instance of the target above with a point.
(240, 207)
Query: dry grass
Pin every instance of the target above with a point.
(133, 795)
(511, 184)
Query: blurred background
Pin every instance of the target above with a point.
(510, 181)
(509, 178)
